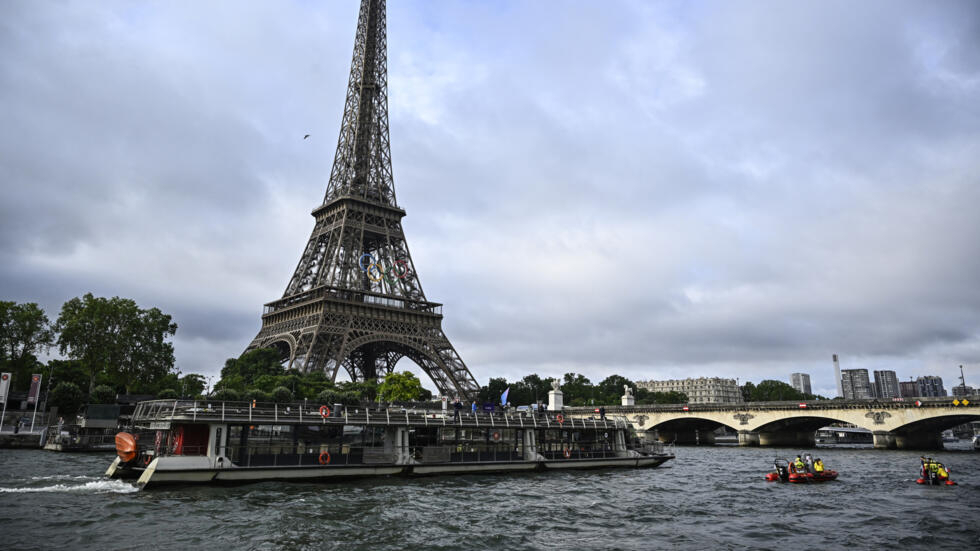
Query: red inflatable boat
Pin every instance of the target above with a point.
(934, 473)
(786, 472)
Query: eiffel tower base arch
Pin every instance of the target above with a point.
(367, 346)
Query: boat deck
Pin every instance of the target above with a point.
(160, 414)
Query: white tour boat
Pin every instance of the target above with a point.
(176, 441)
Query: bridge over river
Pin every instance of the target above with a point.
(903, 424)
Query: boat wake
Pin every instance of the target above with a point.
(92, 487)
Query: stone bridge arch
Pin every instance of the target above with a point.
(694, 429)
(902, 424)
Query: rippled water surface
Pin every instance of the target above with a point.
(708, 498)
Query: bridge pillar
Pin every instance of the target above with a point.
(883, 440)
(748, 438)
(788, 439)
(919, 441)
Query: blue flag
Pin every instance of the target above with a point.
(503, 397)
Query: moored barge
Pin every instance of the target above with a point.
(182, 442)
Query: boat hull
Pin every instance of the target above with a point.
(165, 471)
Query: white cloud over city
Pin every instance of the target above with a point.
(651, 189)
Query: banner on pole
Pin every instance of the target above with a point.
(35, 388)
(4, 386)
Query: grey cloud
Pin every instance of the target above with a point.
(646, 189)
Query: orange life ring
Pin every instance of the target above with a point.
(496, 436)
(560, 418)
(567, 453)
(324, 412)
(324, 457)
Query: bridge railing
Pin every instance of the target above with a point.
(880, 403)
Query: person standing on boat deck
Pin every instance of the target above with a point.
(473, 408)
(457, 405)
(602, 413)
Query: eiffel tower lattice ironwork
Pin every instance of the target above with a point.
(355, 300)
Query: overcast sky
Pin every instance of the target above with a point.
(652, 189)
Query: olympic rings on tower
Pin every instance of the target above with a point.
(376, 272)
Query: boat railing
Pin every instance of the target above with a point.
(656, 448)
(76, 435)
(180, 411)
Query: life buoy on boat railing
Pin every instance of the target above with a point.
(560, 418)
(324, 457)
(567, 453)
(496, 436)
(324, 411)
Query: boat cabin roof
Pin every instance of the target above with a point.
(160, 414)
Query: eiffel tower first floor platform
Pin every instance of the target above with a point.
(366, 334)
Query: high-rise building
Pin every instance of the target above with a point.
(931, 386)
(963, 390)
(702, 390)
(886, 385)
(908, 389)
(801, 382)
(855, 383)
(840, 389)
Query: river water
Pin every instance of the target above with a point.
(707, 498)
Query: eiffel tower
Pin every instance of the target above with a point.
(355, 301)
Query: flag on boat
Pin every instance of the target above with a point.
(503, 397)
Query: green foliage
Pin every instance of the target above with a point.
(24, 332)
(68, 371)
(645, 397)
(67, 397)
(747, 390)
(610, 390)
(167, 394)
(192, 384)
(329, 397)
(282, 394)
(312, 384)
(577, 390)
(537, 390)
(102, 394)
(250, 366)
(118, 338)
(491, 393)
(231, 382)
(170, 381)
(226, 395)
(770, 391)
(400, 387)
(366, 391)
(256, 395)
